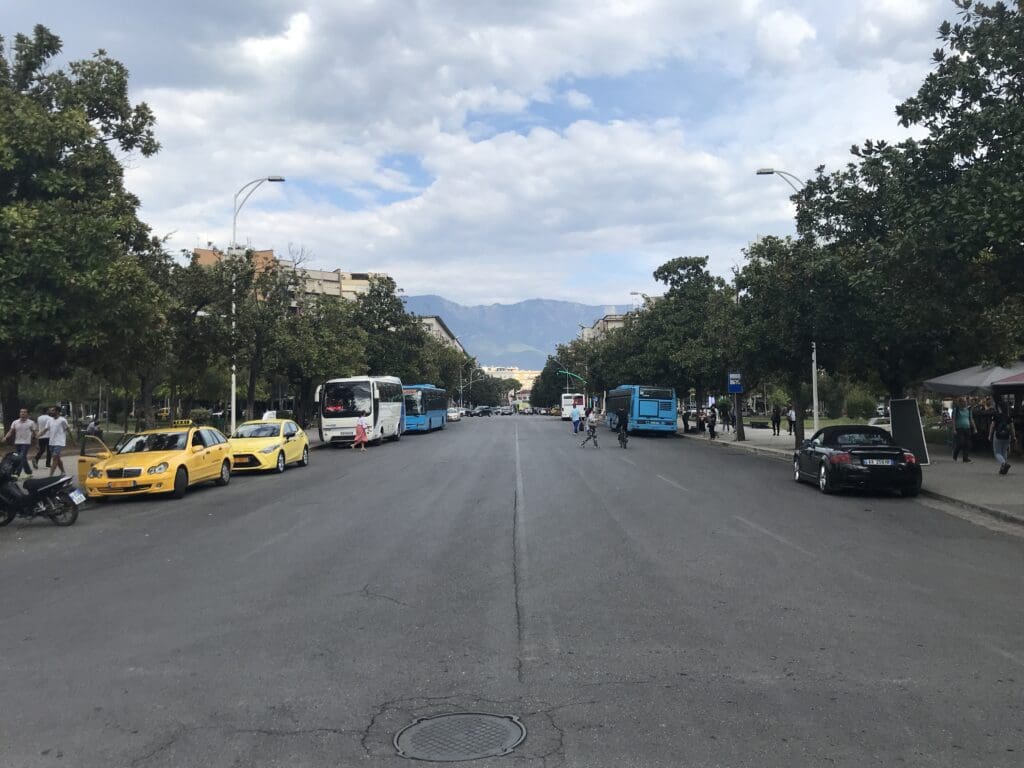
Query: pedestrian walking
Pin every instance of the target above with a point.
(776, 420)
(963, 423)
(592, 419)
(791, 418)
(59, 429)
(701, 420)
(361, 438)
(43, 440)
(574, 414)
(23, 429)
(711, 421)
(686, 421)
(1001, 434)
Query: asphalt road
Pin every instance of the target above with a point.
(669, 605)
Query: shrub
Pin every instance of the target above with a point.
(860, 404)
(200, 415)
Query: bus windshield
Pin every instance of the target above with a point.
(413, 401)
(347, 399)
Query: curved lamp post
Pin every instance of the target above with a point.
(789, 178)
(252, 186)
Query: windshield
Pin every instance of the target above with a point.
(853, 439)
(347, 400)
(258, 430)
(156, 441)
(413, 400)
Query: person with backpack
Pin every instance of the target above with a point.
(1001, 435)
(963, 423)
(711, 420)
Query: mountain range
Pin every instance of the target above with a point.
(521, 334)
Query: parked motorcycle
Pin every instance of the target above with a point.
(52, 497)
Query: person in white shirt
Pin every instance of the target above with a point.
(58, 429)
(43, 438)
(23, 429)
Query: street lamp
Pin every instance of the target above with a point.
(789, 178)
(251, 186)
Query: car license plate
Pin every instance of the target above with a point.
(77, 496)
(878, 462)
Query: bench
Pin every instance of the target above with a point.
(760, 425)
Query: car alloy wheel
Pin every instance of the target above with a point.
(225, 474)
(824, 484)
(796, 470)
(304, 461)
(280, 462)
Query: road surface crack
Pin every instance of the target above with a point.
(368, 593)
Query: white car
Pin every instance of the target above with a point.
(454, 414)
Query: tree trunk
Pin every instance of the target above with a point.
(250, 393)
(741, 433)
(146, 387)
(799, 406)
(9, 404)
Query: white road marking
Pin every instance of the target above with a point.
(1005, 654)
(628, 461)
(273, 540)
(673, 483)
(777, 537)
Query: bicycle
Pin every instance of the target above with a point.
(591, 435)
(623, 438)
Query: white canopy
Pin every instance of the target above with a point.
(977, 378)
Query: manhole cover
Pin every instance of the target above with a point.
(460, 736)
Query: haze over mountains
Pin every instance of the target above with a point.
(521, 334)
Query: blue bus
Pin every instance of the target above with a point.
(426, 407)
(650, 408)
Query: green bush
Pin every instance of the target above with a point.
(860, 404)
(200, 415)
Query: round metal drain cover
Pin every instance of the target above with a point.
(460, 736)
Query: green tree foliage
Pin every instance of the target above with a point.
(69, 237)
(394, 338)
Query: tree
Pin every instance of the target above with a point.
(394, 337)
(319, 341)
(68, 229)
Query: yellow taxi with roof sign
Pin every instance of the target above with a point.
(269, 444)
(165, 460)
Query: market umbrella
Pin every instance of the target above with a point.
(1010, 382)
(977, 378)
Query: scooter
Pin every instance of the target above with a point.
(51, 497)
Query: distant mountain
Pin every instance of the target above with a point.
(521, 334)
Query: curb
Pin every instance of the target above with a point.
(783, 455)
(999, 514)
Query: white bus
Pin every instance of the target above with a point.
(343, 401)
(569, 399)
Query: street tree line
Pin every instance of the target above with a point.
(90, 297)
(908, 262)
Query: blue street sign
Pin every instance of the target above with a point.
(735, 384)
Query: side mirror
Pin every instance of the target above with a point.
(197, 448)
(807, 444)
(316, 395)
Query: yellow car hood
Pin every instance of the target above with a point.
(253, 444)
(144, 459)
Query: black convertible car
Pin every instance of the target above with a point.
(856, 457)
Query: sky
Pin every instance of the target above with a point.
(495, 151)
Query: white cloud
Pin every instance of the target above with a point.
(578, 100)
(441, 140)
(781, 35)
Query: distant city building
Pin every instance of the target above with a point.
(316, 282)
(437, 328)
(602, 326)
(524, 377)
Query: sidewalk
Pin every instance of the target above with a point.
(977, 485)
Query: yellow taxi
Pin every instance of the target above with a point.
(165, 460)
(269, 444)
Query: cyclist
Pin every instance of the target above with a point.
(592, 419)
(622, 425)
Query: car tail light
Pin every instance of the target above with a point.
(840, 458)
(909, 458)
